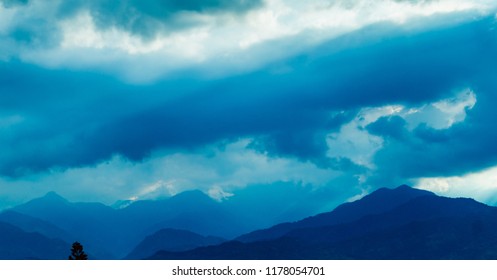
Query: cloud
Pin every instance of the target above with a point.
(444, 113)
(13, 3)
(390, 127)
(427, 121)
(164, 38)
(460, 145)
(376, 94)
(393, 131)
(147, 18)
(294, 110)
(27, 26)
(80, 118)
(216, 170)
(480, 185)
(354, 142)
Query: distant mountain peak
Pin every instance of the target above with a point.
(194, 195)
(52, 193)
(53, 196)
(49, 200)
(404, 186)
(408, 188)
(400, 190)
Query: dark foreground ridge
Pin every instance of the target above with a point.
(401, 223)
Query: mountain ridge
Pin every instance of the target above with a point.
(380, 200)
(181, 228)
(16, 244)
(420, 224)
(115, 232)
(171, 240)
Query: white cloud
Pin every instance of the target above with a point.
(6, 19)
(441, 114)
(354, 142)
(481, 185)
(231, 43)
(217, 171)
(218, 193)
(160, 188)
(81, 32)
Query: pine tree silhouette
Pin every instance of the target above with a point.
(77, 252)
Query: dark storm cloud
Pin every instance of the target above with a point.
(391, 127)
(212, 115)
(425, 152)
(40, 28)
(58, 112)
(75, 118)
(36, 31)
(293, 112)
(146, 18)
(13, 3)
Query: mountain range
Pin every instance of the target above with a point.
(400, 223)
(171, 240)
(403, 223)
(113, 232)
(17, 244)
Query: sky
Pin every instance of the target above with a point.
(114, 100)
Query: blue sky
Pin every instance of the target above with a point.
(101, 101)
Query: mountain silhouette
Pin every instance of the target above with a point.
(31, 224)
(421, 226)
(91, 223)
(379, 201)
(110, 233)
(171, 240)
(191, 210)
(16, 244)
(400, 223)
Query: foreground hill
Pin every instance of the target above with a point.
(16, 244)
(420, 225)
(93, 224)
(380, 201)
(400, 223)
(31, 224)
(171, 240)
(110, 233)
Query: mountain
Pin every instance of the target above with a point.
(190, 210)
(280, 249)
(422, 226)
(113, 232)
(171, 240)
(16, 244)
(90, 223)
(421, 209)
(463, 238)
(31, 224)
(109, 233)
(382, 225)
(377, 202)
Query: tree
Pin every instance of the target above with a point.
(77, 252)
